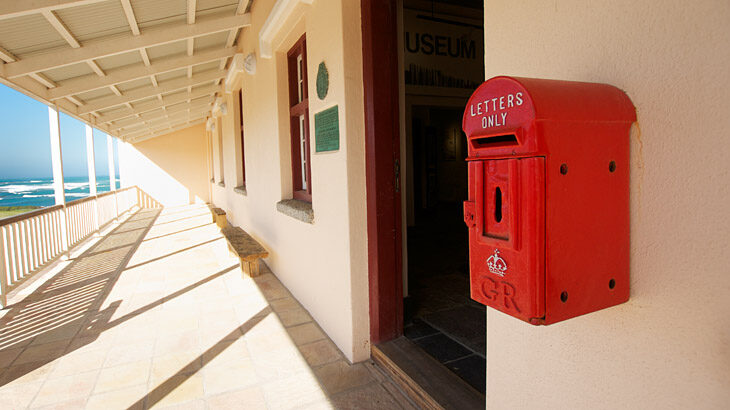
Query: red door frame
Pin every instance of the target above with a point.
(382, 156)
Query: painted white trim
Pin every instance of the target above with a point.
(281, 11)
(234, 70)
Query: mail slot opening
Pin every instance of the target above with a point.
(498, 205)
(494, 141)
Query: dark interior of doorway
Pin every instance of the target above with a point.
(439, 315)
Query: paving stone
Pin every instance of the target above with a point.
(125, 375)
(251, 398)
(340, 375)
(319, 353)
(65, 388)
(373, 396)
(305, 333)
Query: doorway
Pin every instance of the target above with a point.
(432, 51)
(443, 63)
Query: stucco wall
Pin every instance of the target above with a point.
(669, 346)
(171, 168)
(323, 264)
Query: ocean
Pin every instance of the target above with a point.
(39, 191)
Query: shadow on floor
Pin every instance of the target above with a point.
(109, 301)
(64, 313)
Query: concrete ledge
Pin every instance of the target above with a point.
(296, 209)
(240, 190)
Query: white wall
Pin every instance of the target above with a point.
(323, 264)
(669, 346)
(171, 168)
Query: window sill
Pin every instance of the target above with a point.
(241, 190)
(296, 209)
(222, 184)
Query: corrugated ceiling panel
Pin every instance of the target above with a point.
(89, 96)
(29, 34)
(69, 71)
(158, 11)
(227, 10)
(132, 85)
(166, 50)
(95, 20)
(211, 40)
(203, 5)
(213, 65)
(120, 109)
(147, 100)
(172, 75)
(119, 60)
(175, 93)
(204, 85)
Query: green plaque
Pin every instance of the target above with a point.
(323, 81)
(327, 130)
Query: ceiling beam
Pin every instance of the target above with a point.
(43, 80)
(242, 6)
(191, 11)
(157, 104)
(162, 34)
(131, 19)
(167, 130)
(166, 87)
(83, 84)
(10, 9)
(164, 120)
(61, 28)
(95, 68)
(176, 124)
(7, 56)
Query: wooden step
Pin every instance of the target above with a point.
(426, 381)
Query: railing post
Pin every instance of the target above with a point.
(3, 271)
(57, 162)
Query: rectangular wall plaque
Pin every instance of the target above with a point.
(327, 130)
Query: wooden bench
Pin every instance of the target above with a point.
(219, 217)
(246, 248)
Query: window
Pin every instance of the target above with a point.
(299, 121)
(243, 150)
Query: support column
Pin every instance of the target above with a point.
(57, 163)
(112, 173)
(91, 165)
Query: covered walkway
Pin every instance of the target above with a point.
(156, 313)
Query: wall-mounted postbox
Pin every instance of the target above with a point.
(548, 208)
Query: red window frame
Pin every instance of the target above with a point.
(243, 150)
(299, 121)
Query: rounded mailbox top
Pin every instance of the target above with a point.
(511, 105)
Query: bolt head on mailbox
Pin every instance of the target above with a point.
(548, 208)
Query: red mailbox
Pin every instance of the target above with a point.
(548, 208)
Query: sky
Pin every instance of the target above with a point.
(25, 145)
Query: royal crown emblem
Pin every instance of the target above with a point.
(496, 264)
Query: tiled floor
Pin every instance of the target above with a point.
(156, 313)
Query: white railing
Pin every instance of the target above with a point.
(29, 241)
